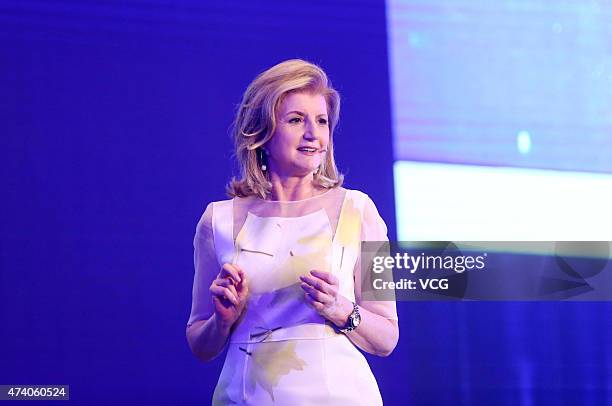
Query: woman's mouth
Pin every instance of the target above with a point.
(308, 150)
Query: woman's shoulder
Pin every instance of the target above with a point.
(210, 206)
(205, 222)
(357, 194)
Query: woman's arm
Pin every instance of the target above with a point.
(207, 338)
(229, 292)
(375, 334)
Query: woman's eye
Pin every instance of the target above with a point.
(295, 120)
(323, 121)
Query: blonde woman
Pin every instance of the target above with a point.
(277, 267)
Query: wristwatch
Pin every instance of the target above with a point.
(353, 320)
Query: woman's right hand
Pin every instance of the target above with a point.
(229, 294)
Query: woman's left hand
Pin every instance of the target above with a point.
(321, 290)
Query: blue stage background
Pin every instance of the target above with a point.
(114, 125)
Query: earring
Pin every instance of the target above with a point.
(264, 167)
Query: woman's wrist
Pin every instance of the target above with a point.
(223, 327)
(344, 308)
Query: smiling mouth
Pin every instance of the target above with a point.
(308, 149)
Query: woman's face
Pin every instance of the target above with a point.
(300, 141)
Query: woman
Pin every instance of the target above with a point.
(286, 300)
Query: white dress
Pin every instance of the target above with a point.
(281, 351)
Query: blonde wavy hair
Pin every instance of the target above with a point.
(256, 122)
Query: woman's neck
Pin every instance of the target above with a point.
(292, 188)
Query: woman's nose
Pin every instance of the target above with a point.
(309, 135)
(310, 131)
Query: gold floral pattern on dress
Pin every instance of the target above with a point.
(270, 362)
(349, 225)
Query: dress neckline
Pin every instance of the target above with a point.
(296, 201)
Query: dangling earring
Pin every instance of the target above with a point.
(260, 152)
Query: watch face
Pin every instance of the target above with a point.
(355, 319)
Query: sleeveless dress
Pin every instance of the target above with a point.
(281, 351)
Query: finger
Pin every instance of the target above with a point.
(224, 282)
(222, 292)
(229, 270)
(239, 270)
(243, 278)
(243, 289)
(315, 294)
(326, 276)
(318, 284)
(228, 284)
(221, 301)
(232, 289)
(318, 306)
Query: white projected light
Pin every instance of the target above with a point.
(523, 142)
(444, 202)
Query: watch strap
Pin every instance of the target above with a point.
(350, 325)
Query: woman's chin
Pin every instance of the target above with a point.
(305, 170)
